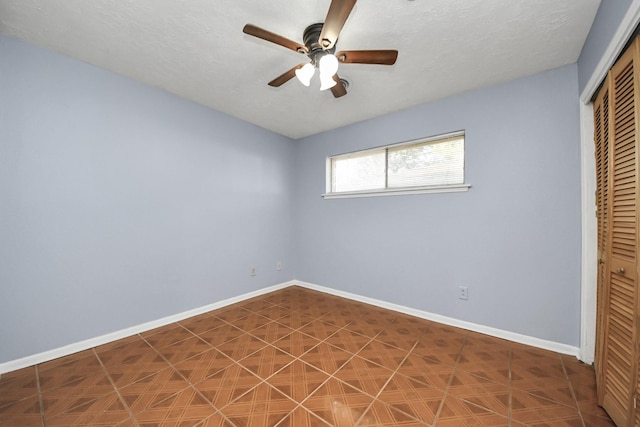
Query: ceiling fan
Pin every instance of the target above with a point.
(320, 46)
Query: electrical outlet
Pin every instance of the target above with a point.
(253, 271)
(463, 292)
(279, 265)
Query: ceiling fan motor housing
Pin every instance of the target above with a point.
(311, 38)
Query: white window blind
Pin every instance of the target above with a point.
(432, 162)
(423, 164)
(359, 172)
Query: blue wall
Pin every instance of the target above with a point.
(121, 204)
(513, 239)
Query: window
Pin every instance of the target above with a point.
(425, 166)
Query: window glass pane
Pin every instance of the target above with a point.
(439, 163)
(358, 172)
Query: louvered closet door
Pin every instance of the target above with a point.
(619, 364)
(601, 139)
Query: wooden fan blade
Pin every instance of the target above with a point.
(338, 90)
(381, 57)
(260, 33)
(286, 76)
(336, 17)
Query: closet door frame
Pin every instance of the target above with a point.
(589, 262)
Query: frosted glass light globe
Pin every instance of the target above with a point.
(328, 64)
(305, 73)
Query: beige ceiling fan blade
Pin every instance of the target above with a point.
(336, 17)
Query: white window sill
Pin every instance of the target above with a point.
(399, 191)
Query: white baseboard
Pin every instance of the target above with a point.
(499, 333)
(124, 333)
(46, 356)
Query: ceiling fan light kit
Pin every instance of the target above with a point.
(324, 60)
(320, 47)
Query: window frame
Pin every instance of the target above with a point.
(444, 188)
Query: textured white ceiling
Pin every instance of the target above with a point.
(196, 49)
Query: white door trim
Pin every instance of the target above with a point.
(588, 177)
(589, 236)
